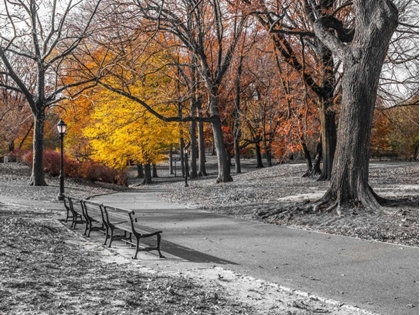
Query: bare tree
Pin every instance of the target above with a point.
(399, 82)
(37, 41)
(289, 24)
(363, 58)
(210, 30)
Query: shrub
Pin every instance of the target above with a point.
(74, 169)
(52, 162)
(23, 155)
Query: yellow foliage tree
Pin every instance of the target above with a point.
(120, 131)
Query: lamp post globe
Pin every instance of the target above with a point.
(62, 128)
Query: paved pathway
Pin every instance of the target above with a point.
(379, 277)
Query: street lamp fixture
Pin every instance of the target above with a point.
(61, 127)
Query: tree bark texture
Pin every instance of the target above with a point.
(375, 23)
(140, 173)
(193, 146)
(259, 155)
(201, 150)
(329, 138)
(37, 175)
(147, 174)
(223, 164)
(308, 159)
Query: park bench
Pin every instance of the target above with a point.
(110, 220)
(125, 220)
(93, 215)
(74, 210)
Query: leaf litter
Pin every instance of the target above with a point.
(44, 273)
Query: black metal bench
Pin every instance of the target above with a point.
(93, 215)
(74, 206)
(125, 220)
(110, 220)
(140, 232)
(115, 219)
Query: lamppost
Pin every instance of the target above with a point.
(186, 167)
(61, 127)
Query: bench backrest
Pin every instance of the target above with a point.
(76, 204)
(66, 200)
(91, 208)
(108, 211)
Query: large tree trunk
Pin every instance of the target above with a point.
(362, 61)
(223, 164)
(193, 146)
(147, 174)
(38, 176)
(258, 154)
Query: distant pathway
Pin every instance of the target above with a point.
(379, 277)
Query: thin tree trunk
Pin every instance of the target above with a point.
(140, 173)
(317, 160)
(267, 149)
(181, 155)
(12, 145)
(309, 167)
(154, 171)
(171, 162)
(259, 156)
(193, 146)
(26, 135)
(327, 113)
(201, 145)
(236, 123)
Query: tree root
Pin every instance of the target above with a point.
(366, 198)
(32, 182)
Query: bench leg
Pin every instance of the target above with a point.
(137, 247)
(106, 235)
(87, 228)
(111, 237)
(68, 215)
(158, 245)
(159, 237)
